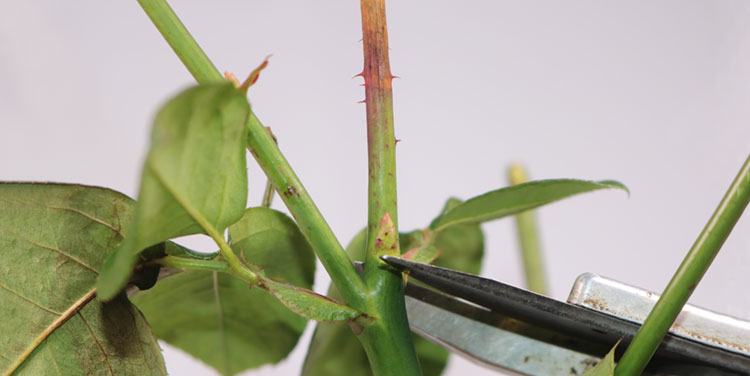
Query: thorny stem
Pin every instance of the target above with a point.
(687, 276)
(269, 157)
(528, 239)
(387, 342)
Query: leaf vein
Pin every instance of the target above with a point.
(93, 335)
(54, 360)
(31, 301)
(88, 216)
(220, 318)
(59, 251)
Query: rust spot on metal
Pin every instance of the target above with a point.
(711, 339)
(595, 304)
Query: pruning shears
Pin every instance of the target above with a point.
(511, 329)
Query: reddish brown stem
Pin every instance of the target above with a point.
(388, 340)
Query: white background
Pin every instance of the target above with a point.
(654, 94)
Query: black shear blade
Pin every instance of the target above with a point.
(495, 340)
(558, 316)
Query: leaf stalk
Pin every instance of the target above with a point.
(187, 263)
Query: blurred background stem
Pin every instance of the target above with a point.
(528, 239)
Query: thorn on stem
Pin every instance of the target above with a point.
(273, 136)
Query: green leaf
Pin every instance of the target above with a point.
(194, 179)
(219, 319)
(310, 305)
(518, 198)
(54, 239)
(461, 245)
(606, 366)
(335, 350)
(272, 240)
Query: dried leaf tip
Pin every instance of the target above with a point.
(254, 75)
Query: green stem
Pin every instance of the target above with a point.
(388, 341)
(528, 238)
(186, 263)
(687, 276)
(183, 44)
(303, 209)
(270, 190)
(264, 149)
